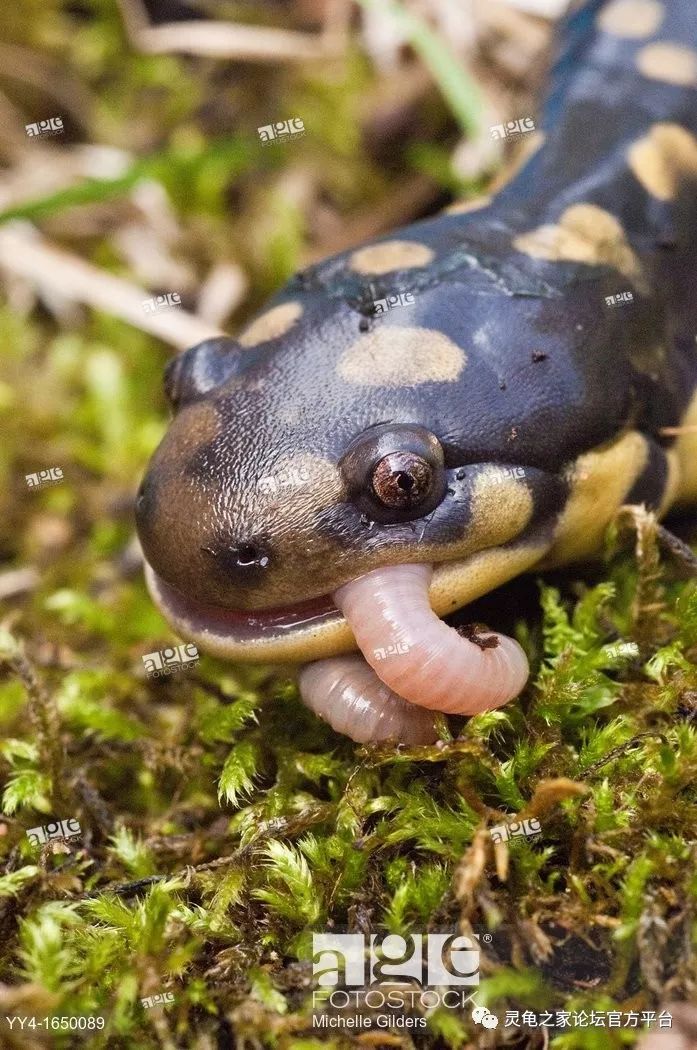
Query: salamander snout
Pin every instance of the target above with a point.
(202, 543)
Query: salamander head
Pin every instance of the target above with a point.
(331, 440)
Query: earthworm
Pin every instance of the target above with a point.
(420, 657)
(347, 694)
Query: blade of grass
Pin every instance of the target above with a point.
(162, 166)
(457, 87)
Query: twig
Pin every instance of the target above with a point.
(551, 9)
(271, 829)
(222, 292)
(337, 21)
(616, 752)
(41, 708)
(94, 802)
(46, 266)
(678, 549)
(227, 39)
(689, 428)
(470, 870)
(18, 581)
(649, 597)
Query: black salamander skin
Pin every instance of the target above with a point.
(550, 405)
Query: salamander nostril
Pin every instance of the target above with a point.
(249, 554)
(239, 558)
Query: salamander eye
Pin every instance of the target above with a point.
(402, 480)
(395, 473)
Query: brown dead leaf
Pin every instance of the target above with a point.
(501, 858)
(548, 793)
(471, 868)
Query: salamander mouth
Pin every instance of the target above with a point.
(282, 633)
(316, 629)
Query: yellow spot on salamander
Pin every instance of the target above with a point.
(632, 19)
(587, 234)
(669, 63)
(274, 323)
(663, 159)
(686, 449)
(396, 356)
(376, 259)
(599, 482)
(673, 481)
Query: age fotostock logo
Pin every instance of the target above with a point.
(430, 960)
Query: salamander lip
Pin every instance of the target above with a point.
(284, 633)
(315, 630)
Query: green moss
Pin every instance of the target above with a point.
(213, 844)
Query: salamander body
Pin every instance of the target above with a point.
(478, 393)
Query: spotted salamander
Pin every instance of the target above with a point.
(415, 421)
